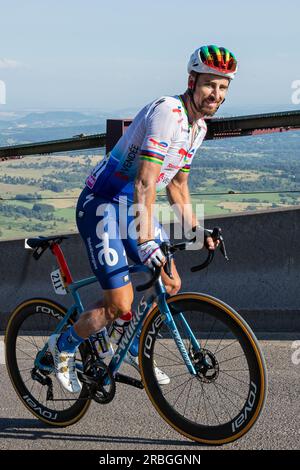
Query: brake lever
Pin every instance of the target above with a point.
(165, 248)
(223, 248)
(217, 235)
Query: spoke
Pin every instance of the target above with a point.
(32, 343)
(25, 359)
(29, 378)
(171, 352)
(165, 357)
(24, 370)
(211, 330)
(32, 387)
(231, 359)
(40, 394)
(228, 345)
(186, 402)
(226, 388)
(186, 383)
(204, 404)
(239, 380)
(218, 392)
(220, 343)
(31, 357)
(202, 395)
(212, 408)
(237, 407)
(178, 386)
(26, 349)
(180, 375)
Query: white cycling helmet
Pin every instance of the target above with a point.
(215, 60)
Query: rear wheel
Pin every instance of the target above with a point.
(226, 396)
(29, 327)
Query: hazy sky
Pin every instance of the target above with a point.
(118, 54)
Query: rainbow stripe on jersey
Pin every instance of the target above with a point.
(157, 135)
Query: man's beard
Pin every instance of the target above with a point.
(209, 111)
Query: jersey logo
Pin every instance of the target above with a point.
(182, 153)
(158, 103)
(107, 255)
(155, 143)
(90, 182)
(89, 198)
(172, 166)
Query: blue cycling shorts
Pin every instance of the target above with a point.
(109, 233)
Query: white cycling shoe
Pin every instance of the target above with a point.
(161, 377)
(64, 363)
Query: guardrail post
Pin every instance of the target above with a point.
(115, 128)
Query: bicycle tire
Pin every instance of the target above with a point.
(51, 312)
(153, 337)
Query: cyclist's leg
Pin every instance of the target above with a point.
(97, 221)
(97, 224)
(172, 285)
(115, 303)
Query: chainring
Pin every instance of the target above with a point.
(100, 381)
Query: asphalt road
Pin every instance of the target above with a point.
(130, 421)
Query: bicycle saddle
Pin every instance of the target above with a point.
(43, 241)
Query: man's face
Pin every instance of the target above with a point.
(210, 92)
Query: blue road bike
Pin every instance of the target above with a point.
(217, 371)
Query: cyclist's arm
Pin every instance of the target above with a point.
(178, 193)
(145, 195)
(161, 127)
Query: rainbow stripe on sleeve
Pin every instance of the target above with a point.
(152, 156)
(185, 168)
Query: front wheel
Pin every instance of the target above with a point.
(225, 398)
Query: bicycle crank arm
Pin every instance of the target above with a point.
(125, 379)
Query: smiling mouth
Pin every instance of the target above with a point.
(210, 103)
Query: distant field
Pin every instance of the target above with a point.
(34, 176)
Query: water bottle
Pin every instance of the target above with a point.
(102, 342)
(118, 327)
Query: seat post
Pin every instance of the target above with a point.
(63, 265)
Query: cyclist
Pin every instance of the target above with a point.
(155, 152)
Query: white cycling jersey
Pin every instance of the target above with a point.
(160, 133)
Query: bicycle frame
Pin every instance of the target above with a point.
(219, 419)
(135, 326)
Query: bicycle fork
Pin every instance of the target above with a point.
(172, 327)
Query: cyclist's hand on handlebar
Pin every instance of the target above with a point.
(204, 236)
(150, 254)
(210, 243)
